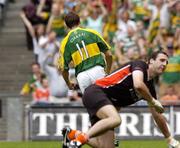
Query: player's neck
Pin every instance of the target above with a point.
(74, 27)
(150, 73)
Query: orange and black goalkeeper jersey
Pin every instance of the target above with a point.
(120, 82)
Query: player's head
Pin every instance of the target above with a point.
(158, 62)
(72, 20)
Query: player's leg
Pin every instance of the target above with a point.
(105, 140)
(102, 141)
(68, 135)
(109, 119)
(98, 106)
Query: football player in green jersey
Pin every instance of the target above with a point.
(88, 51)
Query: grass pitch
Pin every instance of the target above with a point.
(123, 144)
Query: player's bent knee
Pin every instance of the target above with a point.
(116, 121)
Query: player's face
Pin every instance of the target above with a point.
(160, 63)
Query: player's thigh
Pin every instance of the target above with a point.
(107, 111)
(107, 139)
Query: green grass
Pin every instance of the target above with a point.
(123, 144)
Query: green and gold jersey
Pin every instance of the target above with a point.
(139, 10)
(83, 47)
(172, 72)
(175, 21)
(58, 26)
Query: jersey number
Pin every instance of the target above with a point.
(82, 50)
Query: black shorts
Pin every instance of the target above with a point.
(93, 99)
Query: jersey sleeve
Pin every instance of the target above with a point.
(64, 56)
(102, 44)
(142, 66)
(139, 65)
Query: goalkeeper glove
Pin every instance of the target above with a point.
(157, 105)
(174, 143)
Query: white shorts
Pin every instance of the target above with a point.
(89, 76)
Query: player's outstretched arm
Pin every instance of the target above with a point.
(161, 123)
(142, 89)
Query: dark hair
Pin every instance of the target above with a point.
(35, 63)
(155, 54)
(34, 2)
(43, 77)
(72, 19)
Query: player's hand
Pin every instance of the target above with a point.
(157, 105)
(71, 85)
(174, 143)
